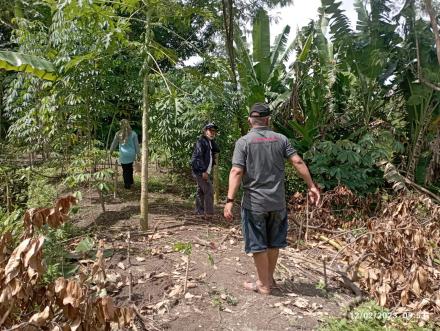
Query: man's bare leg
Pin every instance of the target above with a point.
(272, 255)
(261, 260)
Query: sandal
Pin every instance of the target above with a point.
(253, 286)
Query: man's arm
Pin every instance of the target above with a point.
(234, 183)
(298, 163)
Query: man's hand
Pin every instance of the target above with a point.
(205, 176)
(227, 212)
(314, 195)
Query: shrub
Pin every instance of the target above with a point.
(349, 163)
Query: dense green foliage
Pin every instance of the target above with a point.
(343, 83)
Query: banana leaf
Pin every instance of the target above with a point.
(27, 63)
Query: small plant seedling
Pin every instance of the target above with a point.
(184, 248)
(320, 285)
(210, 259)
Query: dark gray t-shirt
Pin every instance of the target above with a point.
(262, 154)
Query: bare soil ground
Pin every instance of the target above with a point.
(214, 298)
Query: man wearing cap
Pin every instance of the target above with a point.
(202, 162)
(258, 164)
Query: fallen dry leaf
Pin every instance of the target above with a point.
(301, 303)
(287, 311)
(176, 291)
(201, 276)
(161, 275)
(191, 285)
(292, 294)
(40, 318)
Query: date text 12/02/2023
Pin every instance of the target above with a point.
(384, 315)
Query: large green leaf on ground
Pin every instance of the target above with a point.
(27, 63)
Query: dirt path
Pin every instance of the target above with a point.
(215, 298)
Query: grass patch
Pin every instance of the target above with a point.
(174, 184)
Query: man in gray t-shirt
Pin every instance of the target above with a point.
(258, 163)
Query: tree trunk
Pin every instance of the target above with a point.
(433, 173)
(1, 107)
(216, 181)
(433, 17)
(419, 141)
(145, 111)
(228, 24)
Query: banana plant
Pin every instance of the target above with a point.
(27, 63)
(262, 72)
(302, 113)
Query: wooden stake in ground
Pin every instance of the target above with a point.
(130, 280)
(216, 181)
(299, 233)
(324, 261)
(307, 218)
(186, 274)
(115, 183)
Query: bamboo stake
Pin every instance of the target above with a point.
(186, 275)
(307, 218)
(299, 233)
(324, 260)
(216, 181)
(115, 183)
(130, 276)
(8, 199)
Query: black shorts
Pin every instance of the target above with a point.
(263, 230)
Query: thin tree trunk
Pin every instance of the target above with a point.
(216, 181)
(433, 17)
(8, 198)
(420, 140)
(1, 108)
(433, 172)
(228, 24)
(107, 142)
(145, 111)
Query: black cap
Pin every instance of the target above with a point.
(261, 108)
(210, 125)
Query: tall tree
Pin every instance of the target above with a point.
(145, 120)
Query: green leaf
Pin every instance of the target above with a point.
(261, 44)
(279, 48)
(70, 270)
(184, 248)
(305, 51)
(85, 245)
(27, 63)
(210, 259)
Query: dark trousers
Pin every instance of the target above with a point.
(205, 196)
(127, 174)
